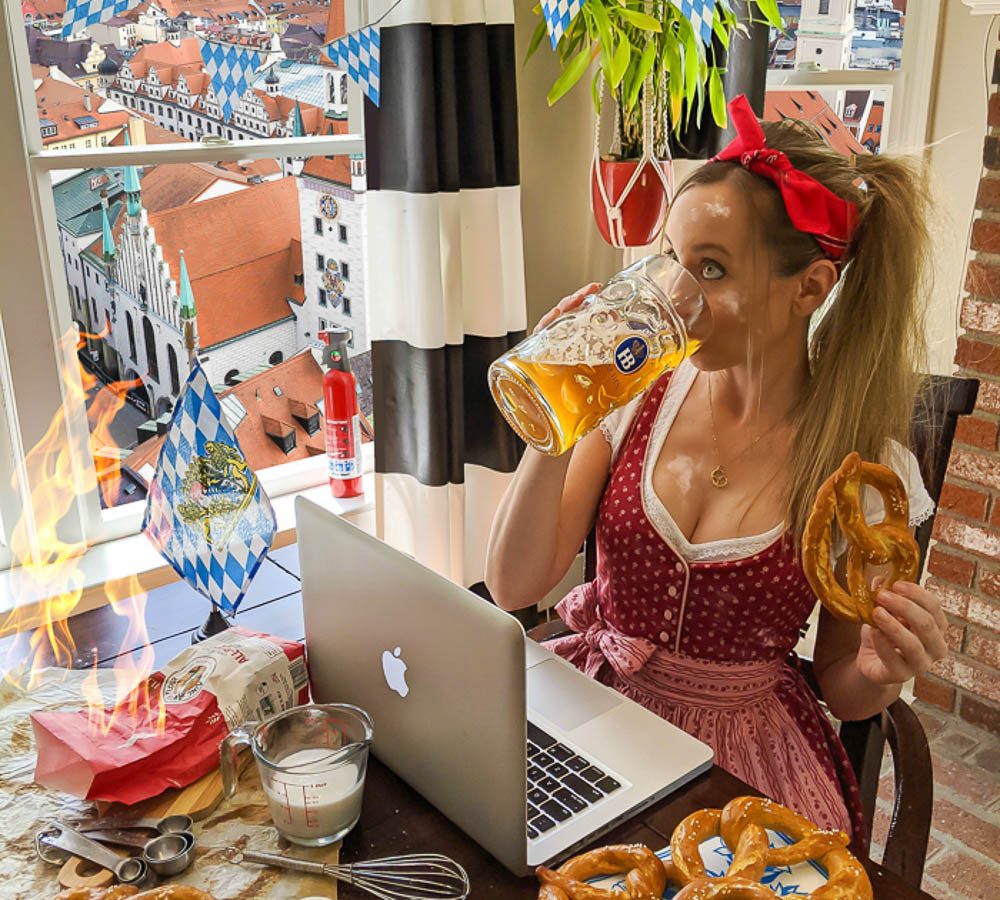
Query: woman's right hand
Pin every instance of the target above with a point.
(567, 304)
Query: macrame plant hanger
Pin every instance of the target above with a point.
(613, 210)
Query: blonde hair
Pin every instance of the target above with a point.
(868, 347)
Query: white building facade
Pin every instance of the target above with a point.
(334, 245)
(826, 28)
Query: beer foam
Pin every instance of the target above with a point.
(717, 210)
(681, 471)
(733, 303)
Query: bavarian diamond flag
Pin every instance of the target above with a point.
(206, 512)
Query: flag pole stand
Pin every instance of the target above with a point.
(216, 623)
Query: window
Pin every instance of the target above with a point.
(347, 306)
(131, 338)
(345, 274)
(149, 336)
(320, 262)
(322, 324)
(851, 66)
(317, 225)
(175, 379)
(343, 233)
(231, 377)
(138, 316)
(322, 297)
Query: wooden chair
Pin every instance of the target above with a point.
(936, 413)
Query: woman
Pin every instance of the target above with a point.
(701, 488)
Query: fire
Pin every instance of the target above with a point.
(49, 580)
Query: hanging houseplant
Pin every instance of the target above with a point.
(662, 76)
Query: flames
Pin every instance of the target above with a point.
(49, 580)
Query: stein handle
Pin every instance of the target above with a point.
(229, 751)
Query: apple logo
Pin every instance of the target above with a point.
(394, 670)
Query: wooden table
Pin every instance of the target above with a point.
(395, 819)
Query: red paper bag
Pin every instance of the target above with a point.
(207, 690)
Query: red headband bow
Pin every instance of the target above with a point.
(813, 208)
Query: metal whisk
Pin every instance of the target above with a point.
(416, 876)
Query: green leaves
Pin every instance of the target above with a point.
(641, 20)
(540, 32)
(571, 74)
(769, 8)
(619, 62)
(632, 44)
(642, 70)
(717, 96)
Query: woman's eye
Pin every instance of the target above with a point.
(712, 270)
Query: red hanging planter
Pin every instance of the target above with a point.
(635, 220)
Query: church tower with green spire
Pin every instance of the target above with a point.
(189, 312)
(108, 249)
(133, 200)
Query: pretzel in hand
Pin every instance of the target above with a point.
(887, 543)
(645, 880)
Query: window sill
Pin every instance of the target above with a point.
(129, 564)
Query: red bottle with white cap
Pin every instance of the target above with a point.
(342, 415)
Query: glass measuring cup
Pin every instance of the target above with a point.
(312, 761)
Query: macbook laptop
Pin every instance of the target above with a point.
(527, 755)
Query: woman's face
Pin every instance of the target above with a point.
(710, 231)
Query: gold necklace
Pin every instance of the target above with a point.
(718, 476)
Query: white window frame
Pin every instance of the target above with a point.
(37, 311)
(907, 89)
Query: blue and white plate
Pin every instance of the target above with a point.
(799, 880)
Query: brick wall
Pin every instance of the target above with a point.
(964, 565)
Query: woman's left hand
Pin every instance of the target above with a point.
(908, 637)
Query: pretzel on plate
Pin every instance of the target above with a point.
(645, 880)
(743, 824)
(887, 543)
(123, 891)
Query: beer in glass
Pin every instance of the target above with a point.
(558, 384)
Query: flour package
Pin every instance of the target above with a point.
(146, 746)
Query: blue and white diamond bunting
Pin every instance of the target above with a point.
(558, 16)
(231, 69)
(701, 14)
(358, 53)
(206, 512)
(81, 13)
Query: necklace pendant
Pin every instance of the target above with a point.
(719, 478)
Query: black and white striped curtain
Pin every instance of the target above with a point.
(446, 273)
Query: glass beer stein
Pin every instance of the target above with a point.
(557, 385)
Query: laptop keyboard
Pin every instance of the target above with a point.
(561, 782)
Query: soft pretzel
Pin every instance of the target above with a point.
(743, 825)
(724, 889)
(122, 891)
(887, 543)
(645, 879)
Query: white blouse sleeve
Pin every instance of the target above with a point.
(615, 425)
(905, 465)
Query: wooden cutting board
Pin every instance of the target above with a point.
(197, 800)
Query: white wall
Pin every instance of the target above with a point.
(562, 247)
(249, 351)
(956, 131)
